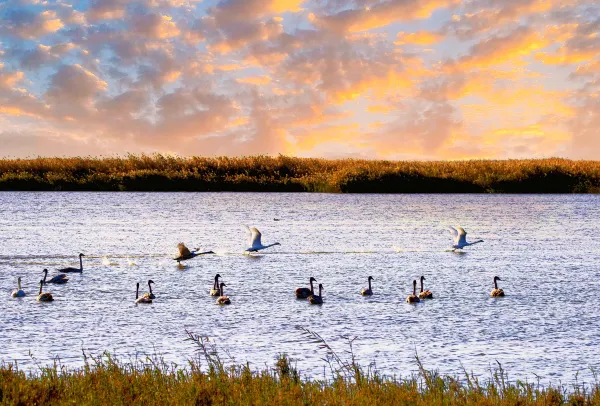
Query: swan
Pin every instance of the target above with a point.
(150, 295)
(496, 292)
(317, 299)
(413, 298)
(143, 299)
(58, 279)
(18, 292)
(223, 300)
(426, 294)
(71, 269)
(215, 291)
(44, 297)
(185, 253)
(367, 291)
(304, 293)
(254, 243)
(460, 238)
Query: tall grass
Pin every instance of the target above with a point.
(288, 174)
(107, 381)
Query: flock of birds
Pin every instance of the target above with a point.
(255, 244)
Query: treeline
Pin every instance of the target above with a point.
(288, 174)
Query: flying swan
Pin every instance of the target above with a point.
(185, 253)
(255, 244)
(459, 236)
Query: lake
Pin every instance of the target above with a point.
(546, 248)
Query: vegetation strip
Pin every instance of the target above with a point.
(107, 381)
(287, 174)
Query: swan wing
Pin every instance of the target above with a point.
(462, 235)
(183, 250)
(454, 233)
(255, 237)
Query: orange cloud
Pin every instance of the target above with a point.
(497, 50)
(379, 15)
(418, 38)
(155, 26)
(255, 80)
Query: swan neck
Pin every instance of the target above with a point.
(222, 294)
(415, 288)
(320, 290)
(369, 283)
(150, 287)
(495, 284)
(19, 283)
(137, 291)
(81, 263)
(312, 289)
(421, 285)
(40, 289)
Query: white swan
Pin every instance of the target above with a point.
(460, 238)
(18, 292)
(254, 243)
(185, 253)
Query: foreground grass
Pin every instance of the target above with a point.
(106, 381)
(287, 174)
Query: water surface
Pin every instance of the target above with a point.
(546, 247)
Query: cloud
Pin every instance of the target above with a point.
(498, 49)
(378, 15)
(407, 79)
(106, 10)
(75, 84)
(154, 26)
(418, 38)
(29, 24)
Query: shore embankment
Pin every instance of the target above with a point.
(288, 174)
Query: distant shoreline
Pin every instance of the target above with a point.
(160, 173)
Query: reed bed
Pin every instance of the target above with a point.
(288, 174)
(107, 381)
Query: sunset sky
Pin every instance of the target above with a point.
(404, 79)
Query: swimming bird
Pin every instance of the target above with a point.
(426, 294)
(223, 300)
(71, 269)
(413, 298)
(143, 299)
(44, 297)
(367, 291)
(18, 292)
(58, 279)
(304, 293)
(215, 291)
(254, 243)
(460, 238)
(317, 299)
(185, 253)
(150, 295)
(496, 292)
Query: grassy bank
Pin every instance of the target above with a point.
(286, 174)
(107, 381)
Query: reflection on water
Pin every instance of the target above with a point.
(545, 248)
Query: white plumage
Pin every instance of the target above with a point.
(255, 244)
(459, 236)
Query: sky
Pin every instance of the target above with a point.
(394, 79)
